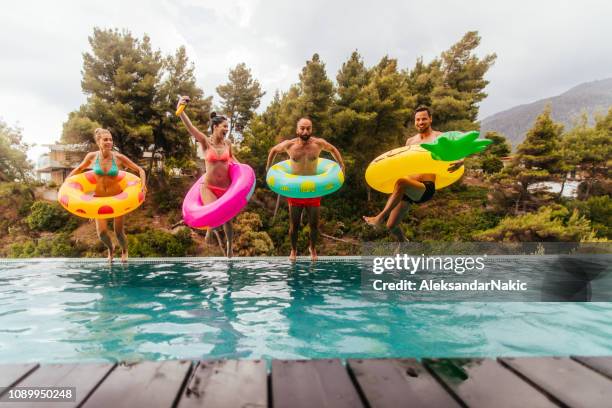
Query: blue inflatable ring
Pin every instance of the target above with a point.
(329, 178)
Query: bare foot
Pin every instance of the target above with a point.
(313, 254)
(293, 255)
(373, 221)
(111, 254)
(124, 255)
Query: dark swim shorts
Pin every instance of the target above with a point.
(430, 190)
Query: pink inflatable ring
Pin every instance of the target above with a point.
(226, 207)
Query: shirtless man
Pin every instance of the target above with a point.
(304, 151)
(416, 188)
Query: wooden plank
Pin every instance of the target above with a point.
(13, 373)
(565, 380)
(398, 383)
(146, 384)
(603, 365)
(312, 383)
(486, 383)
(227, 383)
(84, 377)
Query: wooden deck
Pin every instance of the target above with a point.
(436, 383)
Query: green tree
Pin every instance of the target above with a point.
(259, 138)
(169, 136)
(120, 79)
(490, 159)
(78, 128)
(421, 81)
(538, 157)
(132, 91)
(14, 163)
(315, 95)
(240, 97)
(588, 148)
(456, 97)
(350, 111)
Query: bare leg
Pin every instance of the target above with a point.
(313, 222)
(102, 229)
(229, 236)
(295, 214)
(395, 217)
(413, 188)
(120, 234)
(207, 198)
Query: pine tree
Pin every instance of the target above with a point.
(589, 149)
(538, 157)
(132, 91)
(389, 97)
(490, 159)
(120, 77)
(240, 97)
(452, 85)
(349, 112)
(315, 94)
(169, 135)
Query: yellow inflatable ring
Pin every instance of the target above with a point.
(384, 171)
(77, 196)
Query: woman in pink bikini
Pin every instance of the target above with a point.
(217, 157)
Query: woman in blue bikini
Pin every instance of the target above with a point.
(106, 164)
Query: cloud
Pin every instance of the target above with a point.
(543, 47)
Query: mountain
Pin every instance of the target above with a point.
(592, 97)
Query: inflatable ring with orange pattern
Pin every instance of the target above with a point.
(77, 196)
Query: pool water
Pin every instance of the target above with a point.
(69, 310)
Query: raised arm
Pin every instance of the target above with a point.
(127, 163)
(86, 163)
(279, 148)
(328, 147)
(193, 131)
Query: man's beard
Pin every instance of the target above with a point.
(305, 138)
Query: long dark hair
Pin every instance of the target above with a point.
(216, 120)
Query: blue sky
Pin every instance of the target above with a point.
(543, 47)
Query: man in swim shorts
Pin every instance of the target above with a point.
(415, 188)
(303, 152)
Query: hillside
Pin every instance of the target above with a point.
(591, 97)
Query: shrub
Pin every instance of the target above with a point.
(154, 243)
(59, 245)
(46, 216)
(250, 241)
(549, 224)
(599, 210)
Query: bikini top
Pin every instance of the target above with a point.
(212, 156)
(112, 172)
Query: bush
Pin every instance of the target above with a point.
(599, 210)
(45, 216)
(59, 245)
(15, 202)
(550, 224)
(155, 243)
(250, 241)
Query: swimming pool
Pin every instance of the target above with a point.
(74, 310)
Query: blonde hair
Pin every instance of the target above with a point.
(98, 133)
